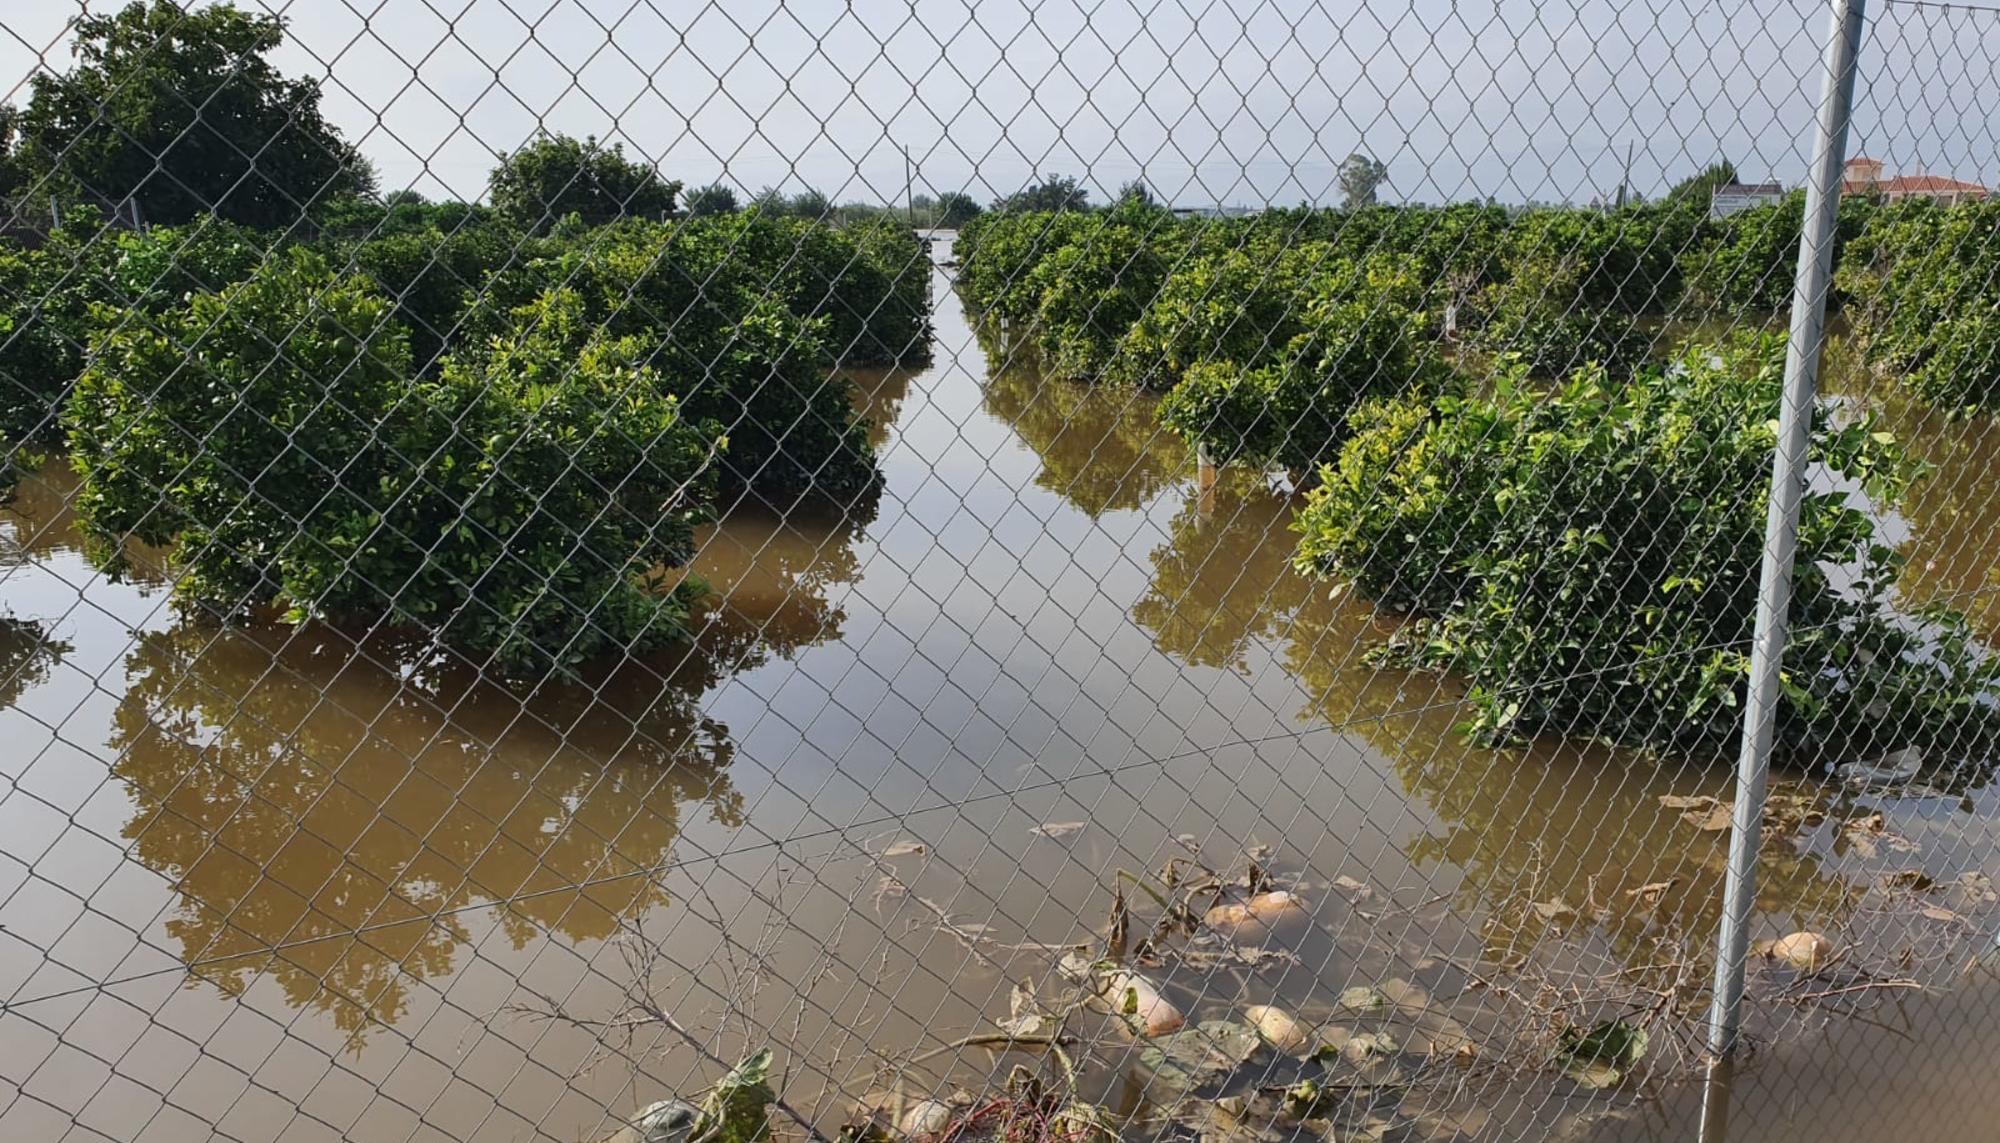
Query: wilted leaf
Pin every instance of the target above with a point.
(1025, 1016)
(1194, 1056)
(1356, 891)
(903, 848)
(1363, 998)
(1651, 892)
(738, 1108)
(1058, 829)
(1594, 1076)
(1614, 1042)
(1714, 819)
(1554, 910)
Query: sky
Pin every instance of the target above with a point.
(1250, 102)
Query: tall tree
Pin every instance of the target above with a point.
(956, 208)
(1056, 192)
(554, 176)
(1137, 193)
(1360, 175)
(1700, 186)
(715, 198)
(179, 110)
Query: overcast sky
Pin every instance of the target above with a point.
(1231, 101)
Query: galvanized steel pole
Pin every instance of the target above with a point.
(1788, 474)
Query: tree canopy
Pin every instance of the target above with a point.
(1056, 192)
(554, 176)
(180, 111)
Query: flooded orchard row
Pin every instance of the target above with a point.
(303, 887)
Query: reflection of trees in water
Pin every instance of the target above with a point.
(1100, 447)
(350, 804)
(1564, 819)
(302, 796)
(878, 398)
(1223, 577)
(43, 524)
(1953, 514)
(27, 654)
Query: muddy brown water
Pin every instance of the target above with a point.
(268, 884)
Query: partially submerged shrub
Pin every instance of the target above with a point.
(1359, 333)
(87, 276)
(1242, 306)
(1589, 560)
(1751, 263)
(700, 304)
(1545, 316)
(1929, 299)
(271, 435)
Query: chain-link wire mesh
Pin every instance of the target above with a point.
(1066, 570)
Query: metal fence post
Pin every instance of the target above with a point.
(1788, 464)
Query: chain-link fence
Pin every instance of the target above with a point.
(683, 573)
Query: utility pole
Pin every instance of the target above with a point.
(909, 186)
(1625, 180)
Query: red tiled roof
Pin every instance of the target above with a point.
(1906, 184)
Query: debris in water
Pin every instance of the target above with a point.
(1896, 768)
(668, 1121)
(926, 1117)
(1805, 951)
(1279, 1029)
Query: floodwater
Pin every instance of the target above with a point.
(273, 884)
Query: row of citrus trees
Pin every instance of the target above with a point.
(506, 439)
(1575, 530)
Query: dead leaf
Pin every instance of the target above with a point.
(1686, 801)
(903, 848)
(1915, 880)
(1714, 819)
(1055, 830)
(1555, 909)
(1025, 1014)
(1651, 892)
(1356, 891)
(1940, 913)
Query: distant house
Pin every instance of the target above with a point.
(1215, 211)
(1734, 198)
(1864, 175)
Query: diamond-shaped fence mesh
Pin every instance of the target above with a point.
(944, 572)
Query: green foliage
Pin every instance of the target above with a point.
(1242, 306)
(434, 275)
(1092, 290)
(1928, 300)
(1360, 333)
(1699, 188)
(715, 198)
(178, 109)
(554, 176)
(738, 1108)
(1750, 263)
(1543, 315)
(514, 507)
(1052, 193)
(1360, 175)
(955, 209)
(1588, 559)
(54, 298)
(726, 310)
